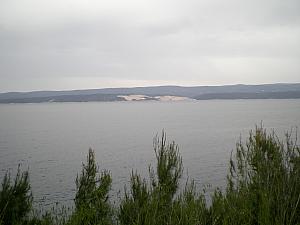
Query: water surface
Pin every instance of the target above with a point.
(52, 139)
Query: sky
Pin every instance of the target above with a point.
(81, 44)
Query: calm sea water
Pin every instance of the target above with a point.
(52, 139)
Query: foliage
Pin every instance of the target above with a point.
(15, 199)
(155, 203)
(263, 183)
(91, 201)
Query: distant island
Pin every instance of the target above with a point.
(159, 93)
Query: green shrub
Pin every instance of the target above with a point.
(156, 203)
(15, 199)
(91, 201)
(189, 208)
(263, 183)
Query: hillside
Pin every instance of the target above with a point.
(240, 91)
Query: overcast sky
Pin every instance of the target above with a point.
(78, 44)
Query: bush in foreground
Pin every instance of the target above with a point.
(91, 201)
(263, 187)
(15, 198)
(263, 183)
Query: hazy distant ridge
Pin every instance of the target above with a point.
(260, 95)
(198, 92)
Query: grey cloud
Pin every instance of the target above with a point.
(203, 42)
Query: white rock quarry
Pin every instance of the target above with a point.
(156, 98)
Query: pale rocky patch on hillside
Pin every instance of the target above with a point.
(156, 98)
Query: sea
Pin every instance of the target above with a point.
(52, 140)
